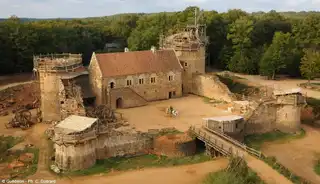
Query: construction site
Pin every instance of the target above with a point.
(91, 113)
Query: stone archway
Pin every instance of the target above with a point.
(119, 103)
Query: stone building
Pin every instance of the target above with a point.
(79, 141)
(61, 92)
(75, 143)
(231, 125)
(131, 79)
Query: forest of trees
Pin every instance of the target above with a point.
(253, 43)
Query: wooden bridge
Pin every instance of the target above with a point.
(225, 145)
(219, 142)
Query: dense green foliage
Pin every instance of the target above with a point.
(239, 41)
(237, 173)
(310, 64)
(317, 167)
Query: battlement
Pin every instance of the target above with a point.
(57, 62)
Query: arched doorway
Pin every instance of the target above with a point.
(119, 103)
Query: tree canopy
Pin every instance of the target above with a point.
(254, 43)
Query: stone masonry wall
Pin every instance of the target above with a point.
(129, 98)
(95, 77)
(211, 87)
(195, 63)
(262, 119)
(123, 146)
(288, 118)
(49, 88)
(149, 91)
(76, 157)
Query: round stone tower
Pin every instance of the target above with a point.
(50, 69)
(288, 112)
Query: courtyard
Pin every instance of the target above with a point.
(191, 109)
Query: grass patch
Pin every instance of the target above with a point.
(317, 167)
(237, 173)
(7, 142)
(256, 140)
(169, 131)
(146, 161)
(32, 168)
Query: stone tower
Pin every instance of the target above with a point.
(288, 112)
(190, 48)
(51, 70)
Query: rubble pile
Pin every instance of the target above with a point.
(14, 98)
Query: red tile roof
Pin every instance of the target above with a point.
(137, 62)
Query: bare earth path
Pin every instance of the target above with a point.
(265, 172)
(298, 155)
(190, 174)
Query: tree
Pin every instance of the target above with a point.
(277, 55)
(310, 64)
(239, 34)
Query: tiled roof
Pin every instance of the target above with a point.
(137, 62)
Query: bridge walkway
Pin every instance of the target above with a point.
(229, 146)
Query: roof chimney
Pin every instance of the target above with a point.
(126, 49)
(153, 49)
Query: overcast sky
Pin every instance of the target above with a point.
(92, 8)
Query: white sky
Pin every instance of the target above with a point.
(92, 8)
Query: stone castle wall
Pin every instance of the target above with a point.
(262, 119)
(76, 156)
(49, 91)
(211, 87)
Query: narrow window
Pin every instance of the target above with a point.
(129, 82)
(140, 81)
(153, 80)
(170, 78)
(185, 64)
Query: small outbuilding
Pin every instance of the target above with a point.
(231, 125)
(75, 143)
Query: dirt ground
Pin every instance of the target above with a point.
(280, 84)
(190, 174)
(16, 78)
(191, 110)
(298, 155)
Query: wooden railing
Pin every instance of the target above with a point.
(202, 135)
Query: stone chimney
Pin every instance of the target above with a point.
(153, 49)
(126, 49)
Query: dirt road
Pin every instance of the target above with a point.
(190, 174)
(265, 172)
(298, 155)
(280, 84)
